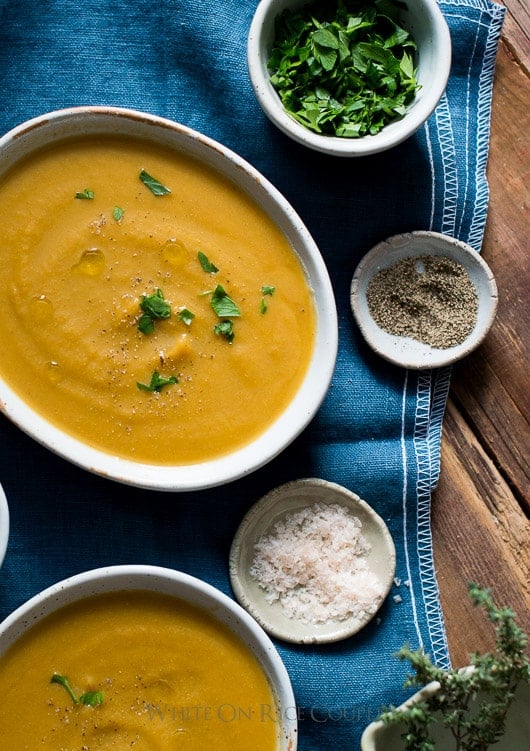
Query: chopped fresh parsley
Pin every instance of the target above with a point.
(89, 698)
(206, 264)
(344, 68)
(267, 289)
(156, 187)
(186, 316)
(226, 329)
(117, 213)
(154, 307)
(157, 382)
(223, 305)
(85, 194)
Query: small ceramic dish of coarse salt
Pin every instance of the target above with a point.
(423, 300)
(312, 562)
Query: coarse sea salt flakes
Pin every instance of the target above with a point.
(314, 562)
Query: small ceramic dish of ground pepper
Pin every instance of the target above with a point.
(423, 300)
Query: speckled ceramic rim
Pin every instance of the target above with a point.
(404, 351)
(56, 126)
(4, 525)
(274, 506)
(428, 27)
(179, 585)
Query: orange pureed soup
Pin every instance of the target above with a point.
(166, 673)
(94, 249)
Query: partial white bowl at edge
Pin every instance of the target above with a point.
(4, 525)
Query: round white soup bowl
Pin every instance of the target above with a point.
(424, 21)
(182, 587)
(54, 127)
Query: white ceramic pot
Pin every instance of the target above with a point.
(380, 737)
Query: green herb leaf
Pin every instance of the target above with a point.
(186, 316)
(268, 289)
(156, 187)
(117, 213)
(206, 264)
(263, 306)
(92, 698)
(223, 305)
(344, 68)
(85, 194)
(226, 329)
(63, 681)
(157, 382)
(154, 307)
(89, 698)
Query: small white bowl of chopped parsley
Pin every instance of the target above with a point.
(349, 77)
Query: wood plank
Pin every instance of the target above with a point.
(491, 386)
(480, 534)
(479, 511)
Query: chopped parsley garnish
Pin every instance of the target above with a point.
(344, 68)
(226, 329)
(267, 289)
(85, 194)
(154, 307)
(206, 264)
(156, 187)
(186, 316)
(157, 382)
(223, 305)
(117, 213)
(90, 698)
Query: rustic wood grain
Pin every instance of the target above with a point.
(480, 509)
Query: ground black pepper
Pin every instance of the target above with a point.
(429, 298)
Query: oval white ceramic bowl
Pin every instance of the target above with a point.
(56, 126)
(405, 351)
(273, 507)
(426, 24)
(4, 524)
(182, 587)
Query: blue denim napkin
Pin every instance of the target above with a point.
(378, 431)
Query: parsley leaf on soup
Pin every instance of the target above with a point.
(154, 307)
(85, 194)
(223, 305)
(186, 316)
(225, 308)
(156, 187)
(157, 382)
(206, 264)
(226, 329)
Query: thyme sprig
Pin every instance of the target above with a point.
(471, 704)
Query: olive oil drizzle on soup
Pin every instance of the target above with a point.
(170, 676)
(75, 269)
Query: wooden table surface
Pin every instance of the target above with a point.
(481, 508)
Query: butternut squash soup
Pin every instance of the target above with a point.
(149, 307)
(134, 670)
